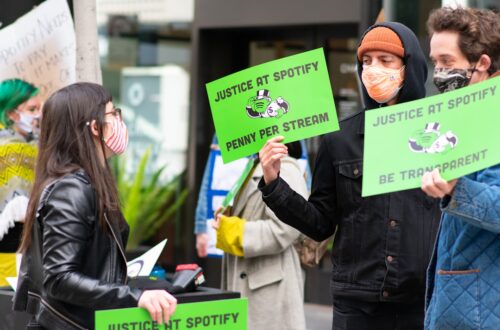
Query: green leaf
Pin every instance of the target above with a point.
(151, 230)
(134, 198)
(147, 202)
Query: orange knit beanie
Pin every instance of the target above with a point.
(381, 38)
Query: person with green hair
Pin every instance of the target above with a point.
(20, 107)
(20, 110)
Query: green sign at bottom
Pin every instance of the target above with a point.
(230, 314)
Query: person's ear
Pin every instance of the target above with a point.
(93, 128)
(484, 63)
(14, 116)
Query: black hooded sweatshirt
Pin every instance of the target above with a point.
(383, 243)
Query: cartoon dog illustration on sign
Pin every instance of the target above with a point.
(263, 106)
(431, 141)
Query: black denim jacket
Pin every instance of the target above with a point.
(383, 243)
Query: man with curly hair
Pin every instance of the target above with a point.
(462, 283)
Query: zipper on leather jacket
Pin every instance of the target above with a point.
(118, 244)
(55, 311)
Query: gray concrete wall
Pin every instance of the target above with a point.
(237, 13)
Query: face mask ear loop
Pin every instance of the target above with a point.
(471, 72)
(403, 79)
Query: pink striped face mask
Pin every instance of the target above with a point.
(117, 141)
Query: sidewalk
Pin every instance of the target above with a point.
(318, 317)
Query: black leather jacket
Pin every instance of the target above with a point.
(383, 243)
(73, 266)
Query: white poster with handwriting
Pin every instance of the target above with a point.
(40, 47)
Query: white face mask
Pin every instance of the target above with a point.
(26, 121)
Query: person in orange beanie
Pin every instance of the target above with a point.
(382, 243)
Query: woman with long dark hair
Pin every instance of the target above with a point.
(74, 234)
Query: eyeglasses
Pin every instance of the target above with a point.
(117, 112)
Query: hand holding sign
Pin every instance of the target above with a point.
(270, 158)
(216, 221)
(434, 185)
(159, 303)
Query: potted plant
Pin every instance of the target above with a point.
(147, 203)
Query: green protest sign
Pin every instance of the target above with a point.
(456, 132)
(291, 96)
(227, 314)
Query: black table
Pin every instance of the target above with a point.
(205, 294)
(10, 320)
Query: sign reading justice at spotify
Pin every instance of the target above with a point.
(291, 97)
(225, 314)
(456, 132)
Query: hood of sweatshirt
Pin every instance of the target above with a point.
(415, 66)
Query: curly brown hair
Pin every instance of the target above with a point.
(478, 29)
